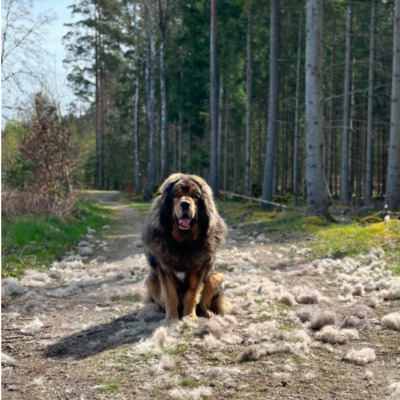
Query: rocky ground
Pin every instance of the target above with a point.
(299, 328)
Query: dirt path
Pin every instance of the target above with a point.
(81, 330)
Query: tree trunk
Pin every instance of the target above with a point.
(220, 118)
(150, 64)
(249, 83)
(330, 124)
(163, 21)
(226, 143)
(138, 187)
(99, 102)
(295, 183)
(213, 99)
(236, 161)
(344, 173)
(317, 195)
(393, 174)
(267, 190)
(180, 143)
(175, 160)
(370, 133)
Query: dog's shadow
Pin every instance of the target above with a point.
(128, 329)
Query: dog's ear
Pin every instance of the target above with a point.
(206, 196)
(166, 201)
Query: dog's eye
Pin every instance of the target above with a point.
(177, 196)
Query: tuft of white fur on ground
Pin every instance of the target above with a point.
(7, 360)
(287, 299)
(210, 342)
(323, 318)
(305, 314)
(255, 352)
(392, 321)
(257, 332)
(372, 302)
(361, 357)
(163, 338)
(300, 336)
(219, 326)
(34, 278)
(333, 335)
(223, 373)
(12, 287)
(283, 377)
(313, 297)
(34, 327)
(353, 321)
(165, 363)
(187, 394)
(393, 391)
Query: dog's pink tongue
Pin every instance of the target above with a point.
(184, 222)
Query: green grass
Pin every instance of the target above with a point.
(131, 298)
(109, 386)
(180, 349)
(35, 241)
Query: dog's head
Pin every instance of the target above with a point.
(186, 206)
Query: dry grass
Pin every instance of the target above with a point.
(24, 202)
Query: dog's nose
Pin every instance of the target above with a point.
(185, 205)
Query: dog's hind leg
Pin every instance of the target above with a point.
(212, 299)
(153, 289)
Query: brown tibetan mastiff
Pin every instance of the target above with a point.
(183, 231)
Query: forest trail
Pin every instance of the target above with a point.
(81, 330)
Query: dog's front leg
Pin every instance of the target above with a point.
(169, 295)
(192, 296)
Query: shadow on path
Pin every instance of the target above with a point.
(90, 342)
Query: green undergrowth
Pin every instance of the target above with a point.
(35, 241)
(326, 239)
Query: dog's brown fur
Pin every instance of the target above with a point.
(181, 255)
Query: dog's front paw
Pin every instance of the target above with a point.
(170, 316)
(193, 317)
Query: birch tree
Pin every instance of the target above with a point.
(317, 196)
(393, 176)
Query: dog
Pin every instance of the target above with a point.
(182, 234)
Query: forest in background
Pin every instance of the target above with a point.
(142, 68)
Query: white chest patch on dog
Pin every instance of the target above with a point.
(180, 275)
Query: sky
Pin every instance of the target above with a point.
(51, 63)
(52, 41)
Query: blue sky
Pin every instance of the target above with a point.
(53, 40)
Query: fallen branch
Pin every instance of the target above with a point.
(264, 201)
